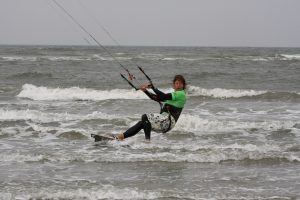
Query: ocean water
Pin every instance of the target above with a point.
(237, 138)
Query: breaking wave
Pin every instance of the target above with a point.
(76, 93)
(289, 56)
(240, 93)
(195, 123)
(222, 93)
(163, 152)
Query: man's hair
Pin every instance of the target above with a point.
(181, 79)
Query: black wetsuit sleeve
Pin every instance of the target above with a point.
(162, 96)
(152, 96)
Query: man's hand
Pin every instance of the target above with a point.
(144, 87)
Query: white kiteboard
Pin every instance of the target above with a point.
(103, 137)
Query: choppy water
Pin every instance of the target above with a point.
(238, 136)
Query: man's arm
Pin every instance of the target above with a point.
(158, 96)
(162, 96)
(152, 96)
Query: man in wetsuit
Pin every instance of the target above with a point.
(170, 112)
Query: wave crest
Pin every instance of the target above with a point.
(222, 93)
(240, 93)
(76, 93)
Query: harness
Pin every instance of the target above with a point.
(171, 109)
(170, 123)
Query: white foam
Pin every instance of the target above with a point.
(106, 192)
(40, 116)
(98, 57)
(76, 93)
(205, 154)
(6, 196)
(261, 59)
(186, 122)
(17, 157)
(197, 146)
(160, 150)
(179, 58)
(34, 115)
(19, 58)
(198, 124)
(222, 93)
(290, 56)
(66, 58)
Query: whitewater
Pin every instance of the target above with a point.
(238, 136)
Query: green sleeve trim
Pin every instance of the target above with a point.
(173, 95)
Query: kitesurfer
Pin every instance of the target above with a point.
(169, 114)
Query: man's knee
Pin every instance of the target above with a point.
(144, 118)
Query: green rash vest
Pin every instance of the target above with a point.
(178, 99)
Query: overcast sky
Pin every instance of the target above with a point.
(153, 22)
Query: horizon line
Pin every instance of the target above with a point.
(174, 46)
